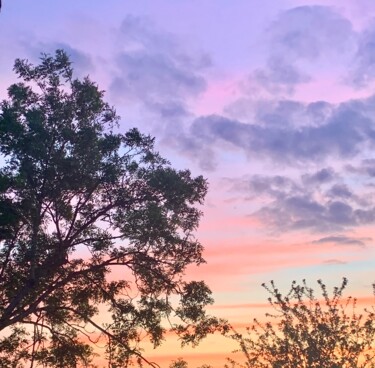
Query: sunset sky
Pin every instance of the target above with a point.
(271, 100)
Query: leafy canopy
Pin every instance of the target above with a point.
(78, 200)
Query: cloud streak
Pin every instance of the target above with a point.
(343, 240)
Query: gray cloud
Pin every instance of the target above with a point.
(343, 240)
(154, 70)
(151, 76)
(279, 77)
(281, 113)
(296, 212)
(305, 35)
(325, 175)
(344, 134)
(319, 201)
(366, 167)
(169, 109)
(301, 36)
(364, 60)
(139, 33)
(310, 32)
(158, 75)
(289, 132)
(274, 187)
(285, 113)
(340, 191)
(204, 155)
(299, 212)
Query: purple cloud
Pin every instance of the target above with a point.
(366, 167)
(154, 69)
(322, 176)
(310, 32)
(364, 70)
(298, 38)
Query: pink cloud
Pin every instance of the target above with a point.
(217, 95)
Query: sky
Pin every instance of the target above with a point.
(271, 100)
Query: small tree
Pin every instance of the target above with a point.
(306, 332)
(181, 363)
(78, 200)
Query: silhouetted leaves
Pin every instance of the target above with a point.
(305, 332)
(79, 199)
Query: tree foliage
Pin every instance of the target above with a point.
(181, 363)
(305, 332)
(79, 200)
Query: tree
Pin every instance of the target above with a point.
(78, 200)
(181, 363)
(306, 332)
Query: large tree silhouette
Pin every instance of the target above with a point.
(79, 200)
